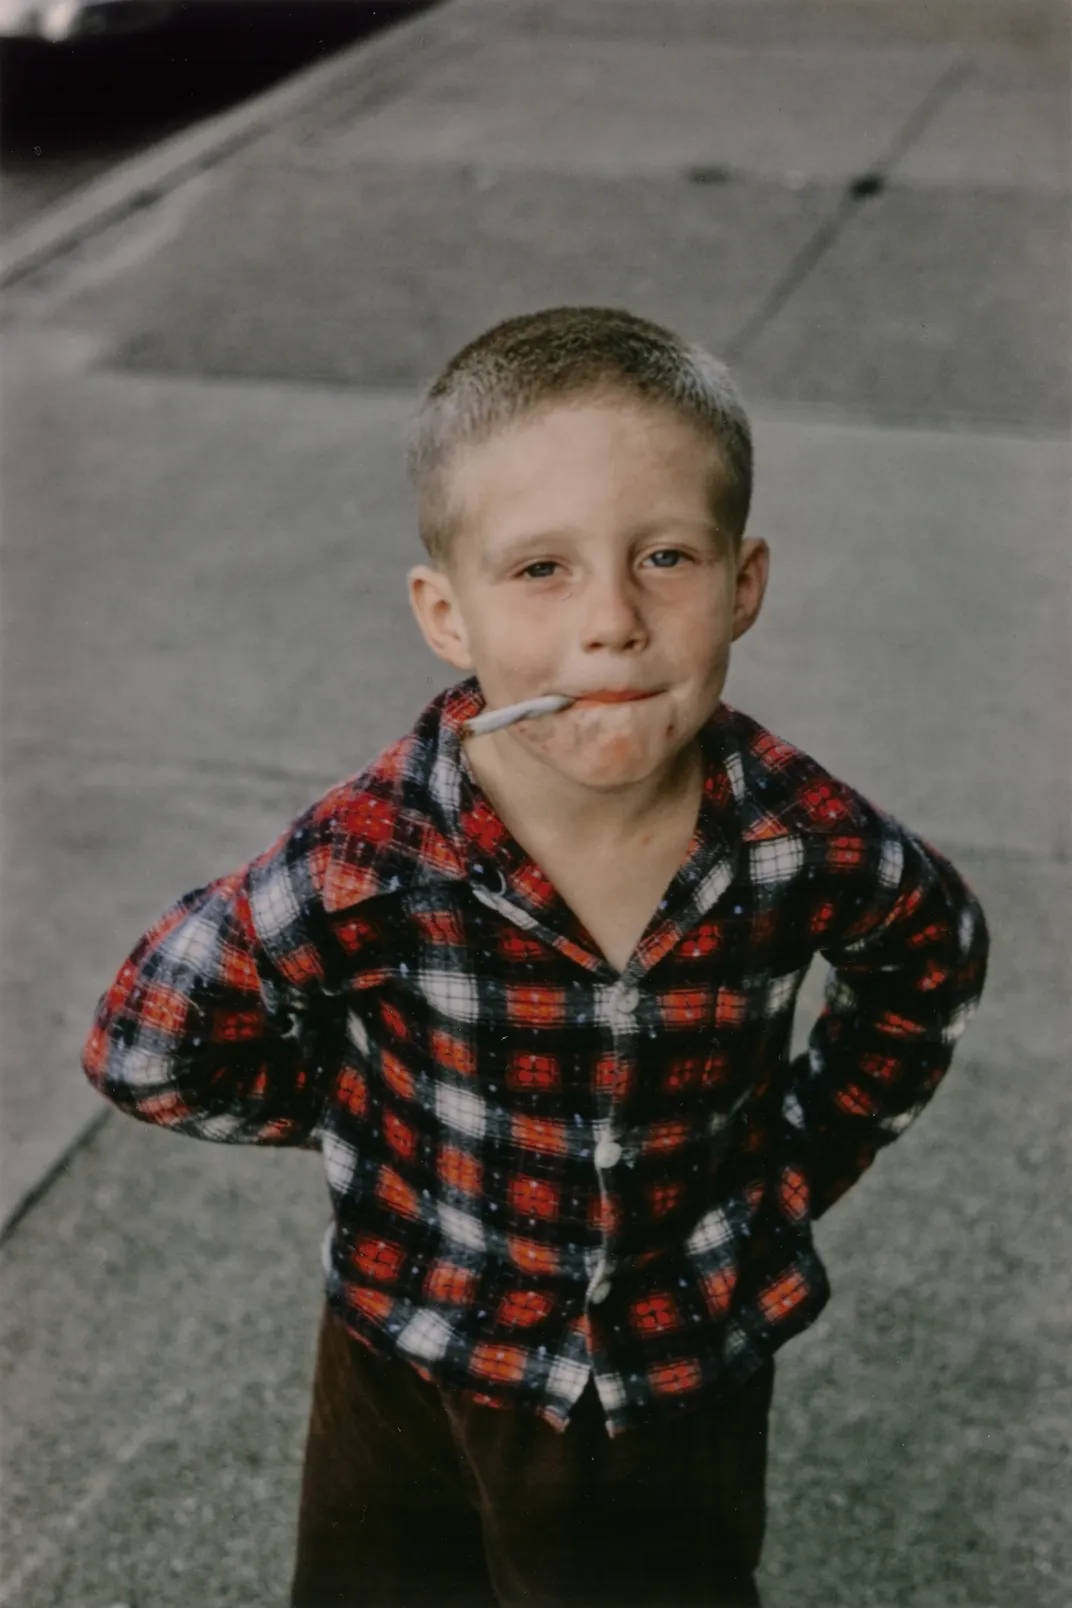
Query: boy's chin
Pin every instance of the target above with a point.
(604, 768)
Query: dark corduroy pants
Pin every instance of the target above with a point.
(414, 1496)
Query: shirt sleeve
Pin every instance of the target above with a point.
(219, 1023)
(908, 955)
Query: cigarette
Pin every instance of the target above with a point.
(495, 719)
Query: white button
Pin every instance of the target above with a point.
(628, 998)
(608, 1153)
(599, 1291)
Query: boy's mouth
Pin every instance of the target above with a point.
(609, 696)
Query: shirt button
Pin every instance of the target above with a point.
(628, 997)
(608, 1153)
(599, 1291)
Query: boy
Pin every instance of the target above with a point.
(530, 991)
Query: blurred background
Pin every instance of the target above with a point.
(235, 241)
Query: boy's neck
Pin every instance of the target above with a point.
(537, 805)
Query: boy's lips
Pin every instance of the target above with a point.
(609, 696)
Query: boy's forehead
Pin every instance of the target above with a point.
(586, 431)
(508, 469)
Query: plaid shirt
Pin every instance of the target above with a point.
(543, 1170)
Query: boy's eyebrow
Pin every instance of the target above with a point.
(514, 547)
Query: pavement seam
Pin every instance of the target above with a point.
(143, 180)
(856, 194)
(37, 1191)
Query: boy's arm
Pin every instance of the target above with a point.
(907, 970)
(215, 1022)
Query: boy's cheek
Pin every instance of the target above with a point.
(515, 664)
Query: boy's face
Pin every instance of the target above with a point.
(587, 562)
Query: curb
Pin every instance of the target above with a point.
(145, 178)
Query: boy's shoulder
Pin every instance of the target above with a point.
(782, 790)
(387, 828)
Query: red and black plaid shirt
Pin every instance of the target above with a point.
(542, 1169)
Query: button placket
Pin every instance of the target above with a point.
(609, 1150)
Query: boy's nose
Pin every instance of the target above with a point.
(612, 616)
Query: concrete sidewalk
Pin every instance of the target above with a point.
(863, 204)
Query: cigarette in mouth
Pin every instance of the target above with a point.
(496, 719)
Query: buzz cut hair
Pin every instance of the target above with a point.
(565, 355)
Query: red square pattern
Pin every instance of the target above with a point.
(514, 945)
(453, 1285)
(163, 1008)
(685, 1007)
(534, 1197)
(547, 1137)
(663, 1136)
(393, 1190)
(301, 965)
(371, 819)
(453, 1053)
(825, 806)
(536, 1007)
(236, 1027)
(718, 1288)
(898, 1026)
(352, 1091)
(880, 1066)
(793, 1194)
(460, 1170)
(526, 1071)
(375, 1304)
(439, 927)
(780, 1297)
(609, 1074)
(675, 1378)
(522, 1308)
(731, 1008)
(656, 1314)
(399, 1135)
(664, 1198)
(684, 1073)
(531, 1256)
(237, 970)
(844, 853)
(397, 1075)
(854, 1101)
(706, 939)
(506, 1363)
(393, 1021)
(378, 1259)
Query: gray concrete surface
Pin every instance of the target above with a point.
(205, 534)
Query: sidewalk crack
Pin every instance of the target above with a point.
(857, 193)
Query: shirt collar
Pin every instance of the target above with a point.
(497, 865)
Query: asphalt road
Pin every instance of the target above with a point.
(68, 113)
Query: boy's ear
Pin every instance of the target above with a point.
(753, 570)
(432, 600)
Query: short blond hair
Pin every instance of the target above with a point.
(562, 354)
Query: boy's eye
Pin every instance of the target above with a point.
(666, 558)
(540, 569)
